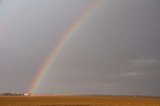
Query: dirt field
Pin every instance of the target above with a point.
(79, 101)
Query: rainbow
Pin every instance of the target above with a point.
(58, 47)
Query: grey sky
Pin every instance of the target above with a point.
(115, 51)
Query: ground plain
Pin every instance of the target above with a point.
(70, 100)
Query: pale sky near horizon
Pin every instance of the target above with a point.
(115, 51)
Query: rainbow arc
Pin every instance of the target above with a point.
(60, 45)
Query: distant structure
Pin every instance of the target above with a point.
(26, 94)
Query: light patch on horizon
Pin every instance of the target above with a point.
(134, 73)
(130, 74)
(144, 61)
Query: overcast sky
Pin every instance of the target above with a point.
(115, 51)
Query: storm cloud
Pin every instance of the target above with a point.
(115, 51)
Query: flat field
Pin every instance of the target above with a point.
(78, 101)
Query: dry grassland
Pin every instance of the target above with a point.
(79, 101)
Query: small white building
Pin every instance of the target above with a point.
(26, 94)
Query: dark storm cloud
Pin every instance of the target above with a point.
(115, 51)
